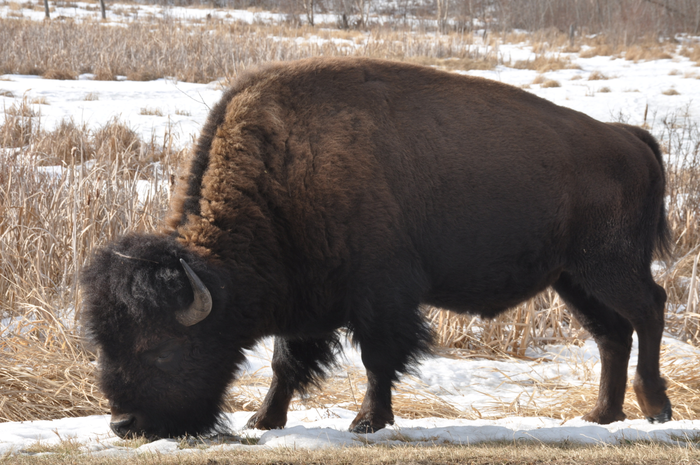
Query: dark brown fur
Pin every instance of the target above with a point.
(333, 193)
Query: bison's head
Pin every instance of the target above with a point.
(169, 346)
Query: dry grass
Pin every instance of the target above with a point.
(210, 51)
(49, 224)
(597, 76)
(598, 50)
(550, 83)
(545, 63)
(21, 121)
(206, 51)
(648, 52)
(431, 452)
(148, 111)
(46, 373)
(59, 73)
(346, 389)
(692, 52)
(562, 400)
(452, 64)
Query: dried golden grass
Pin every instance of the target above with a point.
(691, 52)
(66, 143)
(21, 124)
(648, 52)
(46, 374)
(346, 389)
(545, 63)
(60, 74)
(597, 76)
(452, 64)
(115, 139)
(431, 451)
(540, 321)
(598, 50)
(210, 51)
(565, 401)
(550, 83)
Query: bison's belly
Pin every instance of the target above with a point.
(487, 286)
(484, 298)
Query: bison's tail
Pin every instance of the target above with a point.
(663, 242)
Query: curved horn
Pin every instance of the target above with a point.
(201, 306)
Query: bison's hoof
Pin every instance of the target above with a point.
(604, 418)
(259, 421)
(365, 427)
(664, 416)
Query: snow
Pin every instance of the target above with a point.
(468, 384)
(95, 103)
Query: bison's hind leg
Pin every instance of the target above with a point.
(610, 306)
(296, 364)
(613, 335)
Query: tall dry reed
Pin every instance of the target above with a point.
(205, 52)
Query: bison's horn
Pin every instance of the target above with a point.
(201, 306)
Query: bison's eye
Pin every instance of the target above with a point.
(166, 356)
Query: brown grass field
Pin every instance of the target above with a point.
(49, 226)
(486, 453)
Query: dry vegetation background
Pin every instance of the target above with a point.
(49, 224)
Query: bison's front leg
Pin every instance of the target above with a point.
(296, 363)
(375, 412)
(392, 346)
(272, 414)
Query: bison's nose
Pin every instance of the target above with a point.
(121, 424)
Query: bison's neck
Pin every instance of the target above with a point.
(243, 244)
(239, 204)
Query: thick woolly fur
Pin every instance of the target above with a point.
(332, 193)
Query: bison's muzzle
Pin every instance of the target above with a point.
(123, 424)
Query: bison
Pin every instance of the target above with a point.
(330, 194)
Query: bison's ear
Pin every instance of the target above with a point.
(201, 307)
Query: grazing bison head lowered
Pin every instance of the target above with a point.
(345, 193)
(165, 361)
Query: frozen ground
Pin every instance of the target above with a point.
(630, 90)
(315, 430)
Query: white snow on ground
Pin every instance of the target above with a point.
(470, 385)
(184, 106)
(315, 430)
